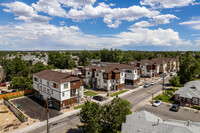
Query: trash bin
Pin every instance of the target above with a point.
(19, 106)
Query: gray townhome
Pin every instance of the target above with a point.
(189, 94)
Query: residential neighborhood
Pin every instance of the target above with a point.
(99, 66)
(66, 92)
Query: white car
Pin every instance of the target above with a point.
(153, 83)
(157, 103)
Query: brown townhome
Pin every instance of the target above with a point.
(61, 88)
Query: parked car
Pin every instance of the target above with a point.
(147, 85)
(14, 91)
(98, 98)
(175, 107)
(153, 83)
(172, 74)
(3, 84)
(3, 92)
(156, 103)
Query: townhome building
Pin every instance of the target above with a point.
(111, 76)
(103, 77)
(132, 73)
(149, 68)
(62, 89)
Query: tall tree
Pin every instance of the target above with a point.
(90, 117)
(189, 68)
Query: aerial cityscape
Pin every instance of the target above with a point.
(99, 66)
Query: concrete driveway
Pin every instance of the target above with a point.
(164, 112)
(35, 108)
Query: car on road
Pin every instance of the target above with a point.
(14, 90)
(157, 103)
(147, 85)
(153, 83)
(175, 107)
(98, 98)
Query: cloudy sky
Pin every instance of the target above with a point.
(150, 25)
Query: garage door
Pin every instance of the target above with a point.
(56, 105)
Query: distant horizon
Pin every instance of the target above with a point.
(144, 25)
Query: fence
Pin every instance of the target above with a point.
(15, 94)
(18, 113)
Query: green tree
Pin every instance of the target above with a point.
(115, 114)
(84, 58)
(189, 68)
(175, 81)
(90, 117)
(21, 83)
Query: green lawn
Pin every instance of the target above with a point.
(90, 93)
(79, 106)
(117, 93)
(165, 97)
(196, 107)
(15, 97)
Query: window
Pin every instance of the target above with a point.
(55, 85)
(97, 74)
(122, 74)
(73, 93)
(65, 86)
(52, 92)
(44, 89)
(40, 88)
(35, 79)
(47, 90)
(88, 73)
(37, 86)
(63, 94)
(105, 81)
(74, 83)
(41, 81)
(47, 83)
(105, 75)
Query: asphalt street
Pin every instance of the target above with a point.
(135, 98)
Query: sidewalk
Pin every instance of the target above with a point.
(54, 119)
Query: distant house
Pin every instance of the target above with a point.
(189, 94)
(63, 89)
(146, 122)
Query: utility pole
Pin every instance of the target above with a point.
(48, 131)
(163, 79)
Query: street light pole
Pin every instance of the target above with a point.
(48, 131)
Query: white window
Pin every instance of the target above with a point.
(122, 74)
(55, 85)
(44, 89)
(40, 88)
(65, 86)
(41, 81)
(63, 94)
(195, 100)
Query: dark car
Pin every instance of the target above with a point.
(14, 91)
(175, 107)
(98, 98)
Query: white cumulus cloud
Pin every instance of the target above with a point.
(24, 12)
(166, 3)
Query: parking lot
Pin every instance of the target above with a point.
(35, 108)
(164, 112)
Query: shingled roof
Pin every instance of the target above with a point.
(56, 76)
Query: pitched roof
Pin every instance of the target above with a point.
(146, 122)
(190, 89)
(56, 76)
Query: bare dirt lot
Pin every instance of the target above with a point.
(35, 108)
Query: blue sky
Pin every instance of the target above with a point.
(150, 25)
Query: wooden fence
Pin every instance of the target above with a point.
(15, 94)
